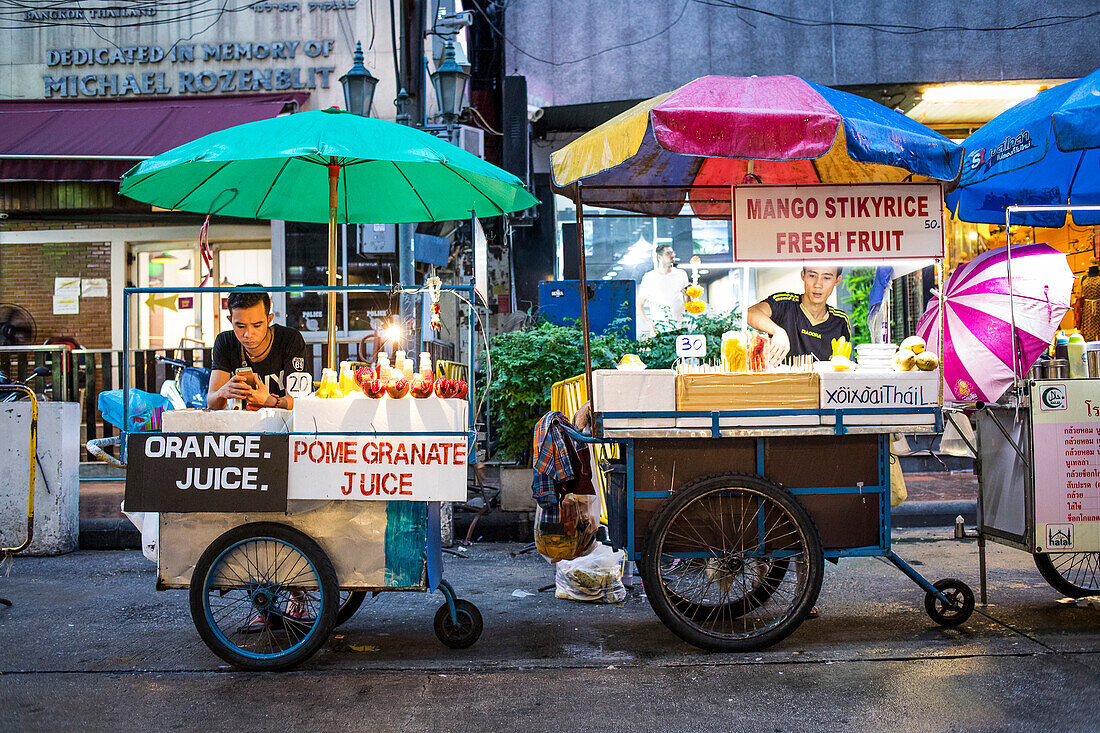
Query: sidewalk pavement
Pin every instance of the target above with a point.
(89, 643)
(935, 500)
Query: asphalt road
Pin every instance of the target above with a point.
(89, 643)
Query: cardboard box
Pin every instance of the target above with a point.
(647, 390)
(884, 392)
(764, 392)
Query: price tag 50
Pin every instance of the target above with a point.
(691, 347)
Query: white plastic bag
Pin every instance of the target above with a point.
(148, 523)
(596, 577)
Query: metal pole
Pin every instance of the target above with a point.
(333, 181)
(584, 297)
(1011, 300)
(406, 275)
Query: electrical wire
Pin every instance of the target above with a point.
(512, 43)
(890, 28)
(484, 124)
(899, 29)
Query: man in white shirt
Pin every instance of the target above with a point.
(661, 294)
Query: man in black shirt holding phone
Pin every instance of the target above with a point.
(251, 362)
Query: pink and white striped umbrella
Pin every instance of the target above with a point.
(977, 331)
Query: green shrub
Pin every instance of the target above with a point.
(526, 364)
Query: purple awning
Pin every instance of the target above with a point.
(101, 140)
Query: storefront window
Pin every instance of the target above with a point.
(169, 320)
(365, 261)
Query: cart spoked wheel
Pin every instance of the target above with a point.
(349, 603)
(465, 632)
(1074, 574)
(264, 596)
(960, 596)
(732, 562)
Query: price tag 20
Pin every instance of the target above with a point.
(691, 346)
(299, 384)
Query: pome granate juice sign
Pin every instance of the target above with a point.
(378, 468)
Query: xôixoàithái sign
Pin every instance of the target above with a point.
(378, 468)
(830, 223)
(199, 472)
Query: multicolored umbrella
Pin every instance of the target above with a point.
(977, 330)
(1043, 151)
(721, 129)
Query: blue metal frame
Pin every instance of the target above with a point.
(715, 416)
(880, 491)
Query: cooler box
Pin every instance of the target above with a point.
(884, 392)
(363, 414)
(647, 390)
(763, 392)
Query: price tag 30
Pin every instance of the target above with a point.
(691, 346)
(299, 384)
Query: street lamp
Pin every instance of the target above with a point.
(358, 85)
(450, 84)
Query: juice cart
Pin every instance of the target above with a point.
(280, 521)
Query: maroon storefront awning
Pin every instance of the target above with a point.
(101, 140)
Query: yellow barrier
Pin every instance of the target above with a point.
(566, 397)
(450, 370)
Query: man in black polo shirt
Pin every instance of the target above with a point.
(270, 350)
(802, 324)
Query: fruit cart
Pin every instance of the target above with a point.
(739, 486)
(280, 521)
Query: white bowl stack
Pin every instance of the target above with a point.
(876, 357)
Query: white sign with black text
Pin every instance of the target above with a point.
(833, 223)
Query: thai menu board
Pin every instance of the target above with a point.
(1065, 417)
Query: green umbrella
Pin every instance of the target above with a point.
(323, 166)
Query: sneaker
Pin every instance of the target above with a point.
(258, 624)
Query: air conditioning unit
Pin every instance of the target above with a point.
(470, 139)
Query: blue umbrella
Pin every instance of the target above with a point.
(1043, 151)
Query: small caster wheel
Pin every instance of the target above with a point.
(466, 631)
(960, 596)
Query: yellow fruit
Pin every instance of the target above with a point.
(904, 360)
(915, 344)
(927, 361)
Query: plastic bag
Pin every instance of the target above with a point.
(958, 436)
(596, 577)
(567, 530)
(148, 523)
(144, 413)
(898, 492)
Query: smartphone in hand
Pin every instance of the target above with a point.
(249, 376)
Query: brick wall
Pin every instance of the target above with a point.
(27, 273)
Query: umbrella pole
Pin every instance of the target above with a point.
(584, 301)
(333, 179)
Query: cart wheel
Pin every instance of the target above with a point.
(732, 562)
(263, 596)
(465, 632)
(349, 603)
(962, 602)
(1075, 574)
